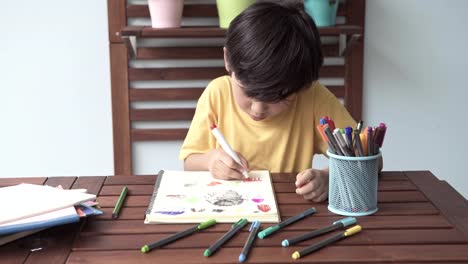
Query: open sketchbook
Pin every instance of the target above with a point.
(195, 196)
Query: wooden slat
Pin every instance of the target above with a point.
(282, 187)
(165, 94)
(175, 73)
(331, 254)
(158, 134)
(136, 74)
(354, 62)
(142, 189)
(15, 181)
(385, 209)
(181, 53)
(122, 226)
(210, 32)
(120, 110)
(382, 197)
(452, 205)
(366, 237)
(171, 94)
(65, 182)
(116, 19)
(91, 184)
(124, 180)
(162, 114)
(204, 52)
(56, 243)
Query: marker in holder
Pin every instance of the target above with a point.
(353, 184)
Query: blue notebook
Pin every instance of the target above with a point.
(55, 218)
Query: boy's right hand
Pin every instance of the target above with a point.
(223, 167)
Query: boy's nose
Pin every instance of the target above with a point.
(258, 107)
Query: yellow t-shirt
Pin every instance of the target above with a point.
(283, 143)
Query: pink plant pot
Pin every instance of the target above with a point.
(166, 13)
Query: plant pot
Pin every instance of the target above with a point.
(229, 9)
(323, 12)
(166, 13)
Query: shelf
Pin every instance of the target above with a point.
(131, 33)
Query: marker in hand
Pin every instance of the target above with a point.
(222, 141)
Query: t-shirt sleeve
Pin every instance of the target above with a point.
(326, 104)
(199, 138)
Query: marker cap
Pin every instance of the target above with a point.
(346, 221)
(353, 230)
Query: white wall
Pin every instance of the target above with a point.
(416, 64)
(55, 107)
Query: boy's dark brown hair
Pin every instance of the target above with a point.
(274, 50)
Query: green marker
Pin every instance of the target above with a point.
(286, 222)
(234, 229)
(120, 201)
(169, 239)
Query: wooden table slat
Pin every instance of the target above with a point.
(331, 254)
(106, 227)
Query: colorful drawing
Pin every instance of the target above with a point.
(167, 212)
(257, 199)
(214, 183)
(251, 179)
(264, 207)
(224, 198)
(175, 196)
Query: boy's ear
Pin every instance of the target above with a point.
(226, 63)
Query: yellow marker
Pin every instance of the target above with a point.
(348, 232)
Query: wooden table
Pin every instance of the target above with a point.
(420, 220)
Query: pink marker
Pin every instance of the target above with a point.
(222, 141)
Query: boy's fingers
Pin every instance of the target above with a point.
(303, 178)
(222, 171)
(307, 188)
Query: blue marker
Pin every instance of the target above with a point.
(336, 225)
(248, 244)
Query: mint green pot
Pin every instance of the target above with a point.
(322, 11)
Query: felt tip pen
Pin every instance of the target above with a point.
(248, 244)
(336, 225)
(169, 239)
(370, 141)
(120, 201)
(236, 227)
(227, 148)
(272, 229)
(349, 232)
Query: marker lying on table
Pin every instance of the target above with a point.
(234, 229)
(169, 239)
(336, 225)
(224, 144)
(349, 232)
(248, 244)
(286, 222)
(120, 201)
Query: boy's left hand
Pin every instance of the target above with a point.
(312, 184)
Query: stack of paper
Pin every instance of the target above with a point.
(31, 208)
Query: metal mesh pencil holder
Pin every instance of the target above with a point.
(353, 184)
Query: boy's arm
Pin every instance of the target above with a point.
(197, 162)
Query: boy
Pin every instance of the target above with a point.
(270, 104)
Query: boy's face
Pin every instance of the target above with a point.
(255, 109)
